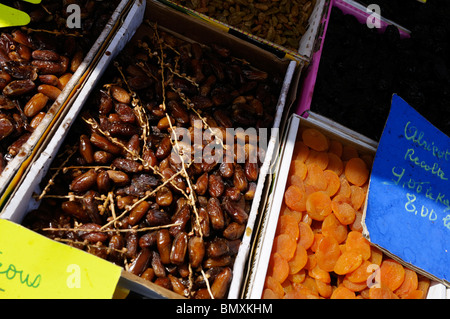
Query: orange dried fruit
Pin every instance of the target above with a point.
(275, 286)
(298, 168)
(357, 223)
(327, 253)
(324, 289)
(383, 292)
(280, 268)
(423, 285)
(357, 197)
(287, 224)
(295, 198)
(335, 164)
(356, 171)
(297, 181)
(315, 177)
(410, 284)
(318, 158)
(299, 277)
(376, 256)
(285, 245)
(317, 239)
(356, 287)
(345, 189)
(360, 274)
(356, 241)
(269, 294)
(333, 182)
(343, 211)
(320, 274)
(318, 205)
(342, 292)
(332, 227)
(299, 260)
(301, 151)
(347, 262)
(297, 215)
(306, 235)
(314, 139)
(392, 274)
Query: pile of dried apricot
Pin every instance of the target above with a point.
(319, 250)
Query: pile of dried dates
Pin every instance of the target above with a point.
(122, 187)
(37, 61)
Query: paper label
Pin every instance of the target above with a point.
(10, 17)
(34, 266)
(408, 211)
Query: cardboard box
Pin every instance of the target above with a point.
(14, 170)
(262, 246)
(306, 42)
(190, 29)
(310, 73)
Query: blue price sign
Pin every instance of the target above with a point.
(408, 208)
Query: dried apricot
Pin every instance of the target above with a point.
(320, 274)
(275, 286)
(299, 277)
(356, 171)
(357, 197)
(360, 274)
(306, 235)
(317, 239)
(423, 285)
(383, 292)
(285, 245)
(332, 227)
(294, 198)
(301, 151)
(297, 215)
(342, 292)
(318, 205)
(392, 274)
(299, 260)
(333, 182)
(315, 177)
(318, 158)
(280, 268)
(335, 164)
(345, 189)
(376, 256)
(356, 287)
(324, 289)
(314, 139)
(298, 168)
(344, 212)
(349, 261)
(288, 224)
(410, 284)
(327, 254)
(356, 242)
(269, 294)
(357, 223)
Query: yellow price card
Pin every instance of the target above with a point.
(33, 266)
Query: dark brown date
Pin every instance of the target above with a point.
(215, 214)
(18, 87)
(92, 233)
(104, 144)
(138, 212)
(86, 149)
(84, 182)
(220, 285)
(164, 245)
(196, 251)
(216, 186)
(179, 247)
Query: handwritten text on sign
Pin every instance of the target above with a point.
(408, 210)
(33, 266)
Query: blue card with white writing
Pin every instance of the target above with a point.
(408, 207)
